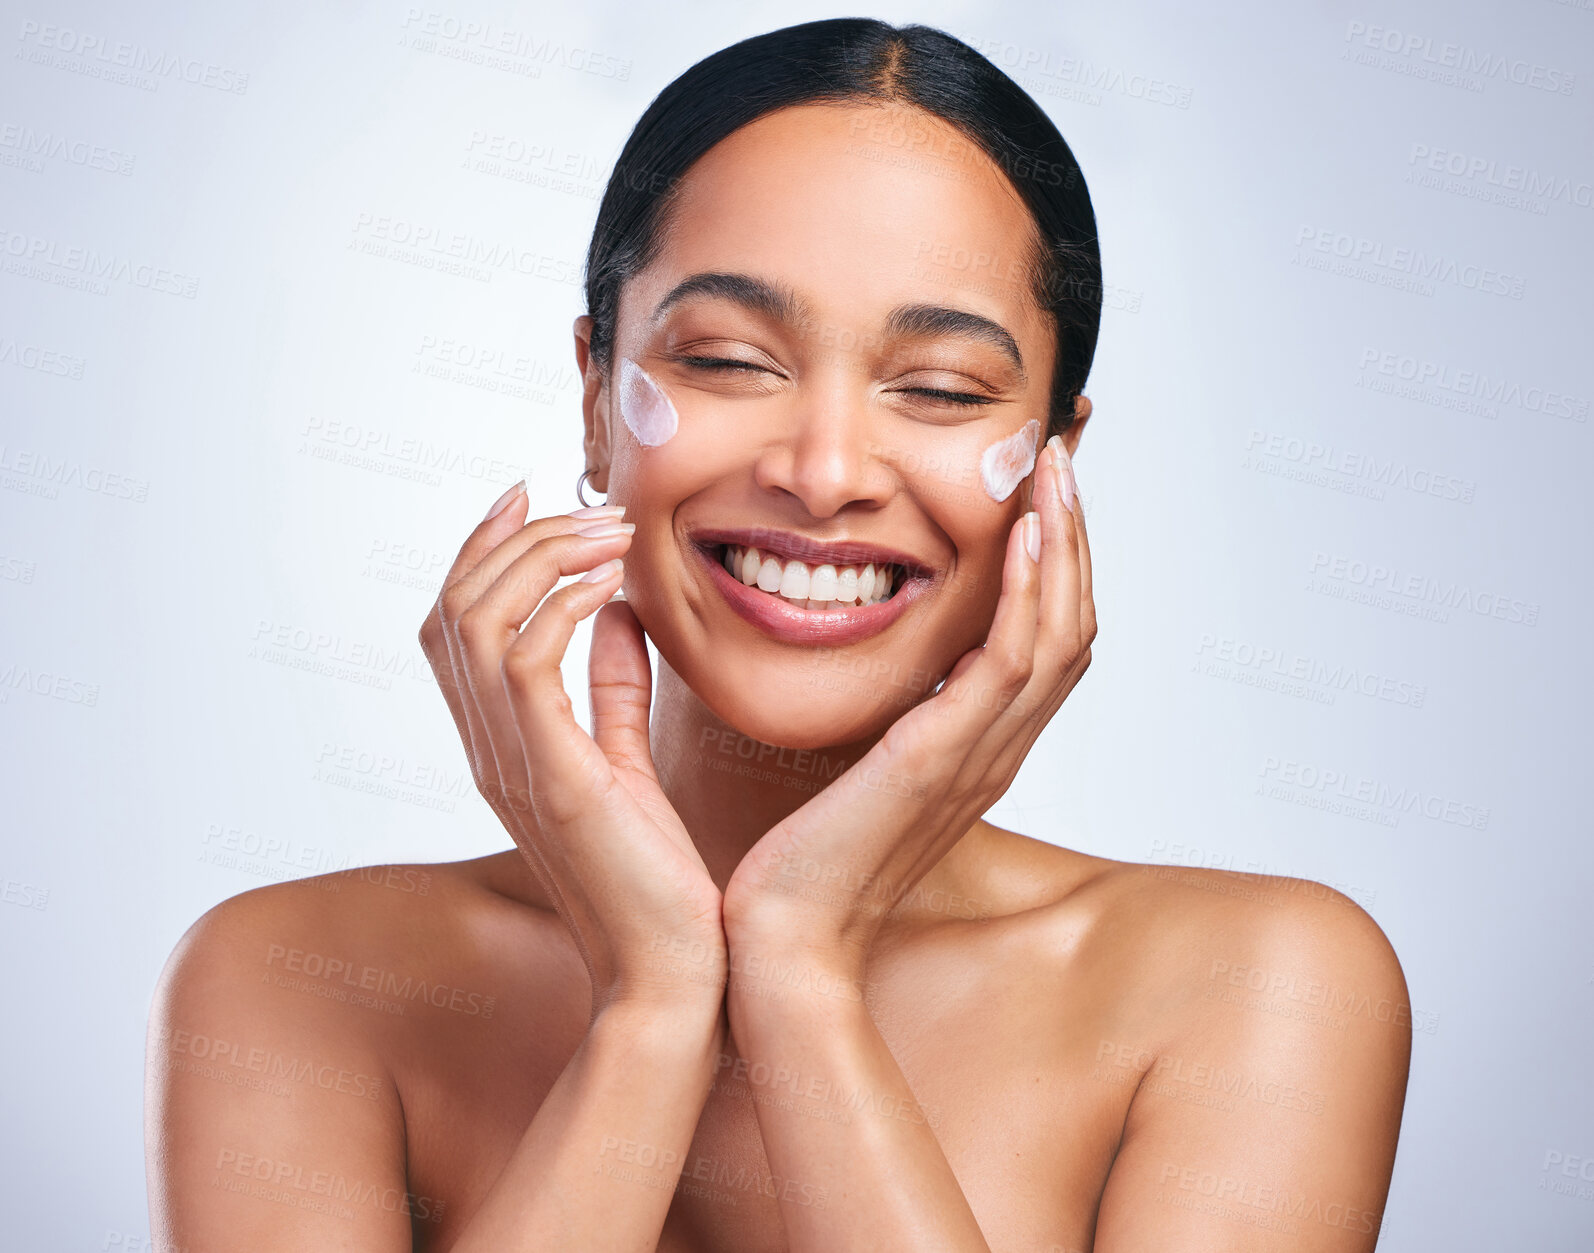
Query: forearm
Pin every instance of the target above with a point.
(859, 1163)
(597, 1167)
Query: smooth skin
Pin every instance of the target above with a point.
(821, 1004)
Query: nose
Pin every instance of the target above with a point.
(827, 459)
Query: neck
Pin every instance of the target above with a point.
(728, 788)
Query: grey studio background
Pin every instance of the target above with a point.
(1337, 482)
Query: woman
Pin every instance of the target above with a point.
(756, 974)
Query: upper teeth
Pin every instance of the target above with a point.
(813, 587)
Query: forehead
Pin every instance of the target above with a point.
(857, 207)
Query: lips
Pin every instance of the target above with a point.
(791, 622)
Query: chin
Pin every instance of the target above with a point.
(829, 699)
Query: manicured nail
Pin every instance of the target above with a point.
(1065, 472)
(1032, 535)
(504, 500)
(598, 573)
(598, 511)
(604, 527)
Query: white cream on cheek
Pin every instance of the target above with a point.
(1008, 462)
(644, 407)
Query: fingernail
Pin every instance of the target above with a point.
(604, 527)
(504, 500)
(598, 573)
(1065, 473)
(598, 511)
(1032, 535)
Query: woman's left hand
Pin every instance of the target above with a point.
(823, 879)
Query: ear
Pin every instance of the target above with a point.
(1077, 427)
(594, 407)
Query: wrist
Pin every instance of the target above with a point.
(686, 1026)
(781, 976)
(835, 930)
(667, 974)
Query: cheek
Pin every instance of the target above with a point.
(1008, 462)
(644, 406)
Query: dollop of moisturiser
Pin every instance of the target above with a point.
(644, 407)
(1008, 462)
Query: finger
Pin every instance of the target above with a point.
(567, 770)
(492, 624)
(1002, 668)
(1060, 565)
(495, 543)
(1087, 601)
(466, 583)
(438, 641)
(620, 685)
(497, 540)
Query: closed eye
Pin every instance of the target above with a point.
(951, 398)
(721, 363)
(969, 399)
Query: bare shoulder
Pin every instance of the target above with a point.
(361, 956)
(1264, 1028)
(1293, 948)
(1182, 944)
(327, 927)
(278, 1039)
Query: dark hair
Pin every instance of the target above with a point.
(841, 59)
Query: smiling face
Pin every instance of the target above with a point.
(834, 338)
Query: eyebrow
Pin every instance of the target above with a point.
(780, 303)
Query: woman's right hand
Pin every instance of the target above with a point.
(586, 811)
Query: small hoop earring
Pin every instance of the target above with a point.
(580, 494)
